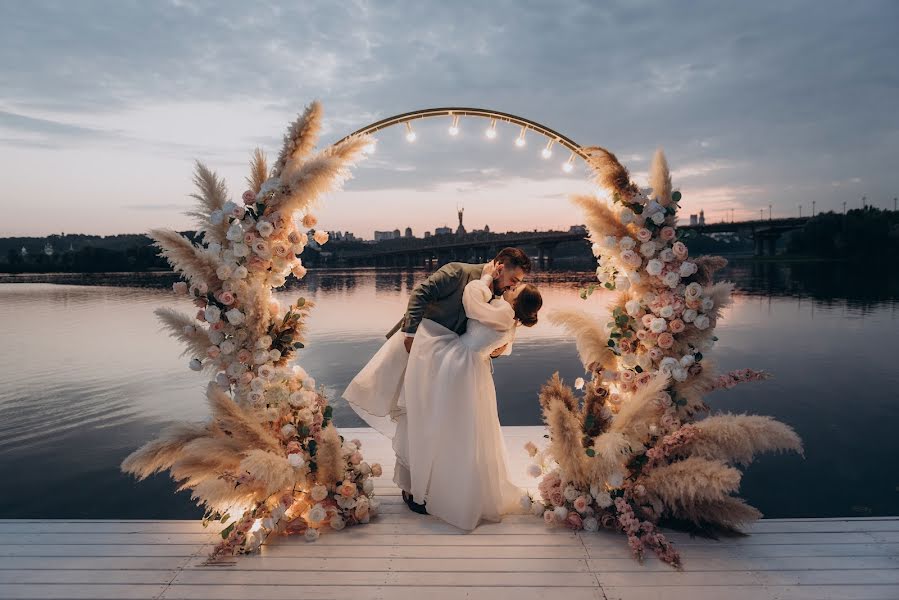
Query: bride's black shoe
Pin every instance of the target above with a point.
(413, 505)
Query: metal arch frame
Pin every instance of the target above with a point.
(428, 113)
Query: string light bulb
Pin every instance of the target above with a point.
(454, 128)
(520, 140)
(568, 166)
(548, 151)
(410, 134)
(370, 147)
(491, 131)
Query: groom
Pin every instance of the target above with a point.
(439, 298)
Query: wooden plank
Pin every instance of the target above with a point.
(183, 550)
(713, 550)
(7, 539)
(350, 592)
(79, 527)
(361, 537)
(379, 565)
(682, 539)
(85, 576)
(95, 563)
(761, 592)
(286, 547)
(790, 563)
(673, 579)
(87, 591)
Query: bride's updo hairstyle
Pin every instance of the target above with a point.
(527, 304)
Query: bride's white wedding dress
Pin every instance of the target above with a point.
(448, 431)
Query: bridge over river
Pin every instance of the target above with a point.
(481, 246)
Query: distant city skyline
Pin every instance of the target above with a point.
(104, 106)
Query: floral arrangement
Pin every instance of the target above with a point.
(626, 450)
(269, 460)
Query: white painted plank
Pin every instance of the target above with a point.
(86, 550)
(713, 550)
(86, 576)
(105, 538)
(762, 592)
(468, 565)
(349, 592)
(287, 547)
(790, 563)
(95, 563)
(29, 591)
(674, 579)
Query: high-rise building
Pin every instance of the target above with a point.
(443, 231)
(694, 220)
(408, 232)
(701, 217)
(380, 236)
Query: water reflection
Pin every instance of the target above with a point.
(88, 376)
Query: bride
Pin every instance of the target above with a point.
(451, 437)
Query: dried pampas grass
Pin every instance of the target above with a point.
(319, 175)
(328, 457)
(162, 452)
(600, 218)
(271, 472)
(738, 438)
(197, 265)
(196, 342)
(660, 178)
(300, 139)
(211, 197)
(258, 170)
(730, 512)
(612, 449)
(707, 266)
(609, 173)
(242, 424)
(694, 479)
(562, 417)
(639, 411)
(589, 335)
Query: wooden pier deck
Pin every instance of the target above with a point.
(408, 556)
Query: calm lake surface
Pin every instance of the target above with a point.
(87, 376)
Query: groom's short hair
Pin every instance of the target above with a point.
(514, 257)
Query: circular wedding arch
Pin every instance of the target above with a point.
(455, 112)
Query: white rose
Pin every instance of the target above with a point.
(337, 523)
(579, 383)
(264, 228)
(229, 206)
(701, 322)
(296, 460)
(654, 267)
(629, 360)
(627, 243)
(318, 493)
(236, 369)
(571, 493)
(296, 400)
(270, 185)
(687, 360)
(668, 363)
(368, 486)
(534, 470)
(241, 250)
(648, 249)
(257, 385)
(707, 304)
(609, 241)
(216, 217)
(622, 283)
(603, 499)
(561, 513)
(687, 269)
(213, 314)
(260, 357)
(235, 232)
(671, 279)
(525, 502)
(288, 431)
(658, 325)
(317, 513)
(596, 249)
(658, 218)
(667, 311)
(195, 364)
(667, 255)
(216, 336)
(239, 273)
(616, 480)
(274, 355)
(632, 307)
(627, 216)
(309, 383)
(311, 534)
(234, 316)
(694, 290)
(227, 347)
(689, 315)
(591, 524)
(537, 509)
(679, 374)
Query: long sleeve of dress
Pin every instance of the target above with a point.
(476, 301)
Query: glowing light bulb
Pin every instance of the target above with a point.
(568, 166)
(491, 131)
(370, 148)
(454, 128)
(520, 140)
(547, 152)
(410, 134)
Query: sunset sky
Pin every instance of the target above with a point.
(104, 106)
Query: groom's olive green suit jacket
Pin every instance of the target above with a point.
(439, 298)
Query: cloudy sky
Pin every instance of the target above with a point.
(104, 106)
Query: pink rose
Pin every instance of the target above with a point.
(557, 497)
(643, 378)
(201, 315)
(644, 235)
(347, 489)
(257, 264)
(680, 250)
(310, 221)
(226, 298)
(179, 287)
(244, 355)
(293, 447)
(356, 458)
(249, 238)
(667, 233)
(294, 237)
(574, 521)
(376, 470)
(641, 334)
(666, 340)
(246, 377)
(627, 376)
(213, 352)
(580, 504)
(647, 319)
(656, 354)
(218, 325)
(676, 326)
(280, 250)
(249, 197)
(549, 517)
